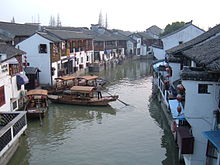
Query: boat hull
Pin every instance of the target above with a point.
(36, 113)
(87, 102)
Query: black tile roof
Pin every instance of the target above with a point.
(31, 70)
(49, 37)
(9, 50)
(180, 29)
(199, 39)
(19, 29)
(144, 35)
(68, 35)
(106, 36)
(154, 30)
(206, 54)
(4, 38)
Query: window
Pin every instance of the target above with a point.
(81, 59)
(211, 151)
(15, 105)
(203, 88)
(2, 95)
(180, 42)
(42, 48)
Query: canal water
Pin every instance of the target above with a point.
(136, 134)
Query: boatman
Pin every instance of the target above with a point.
(98, 89)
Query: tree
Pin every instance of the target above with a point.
(173, 27)
(13, 20)
(106, 21)
(100, 22)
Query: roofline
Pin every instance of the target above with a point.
(45, 37)
(182, 28)
(50, 31)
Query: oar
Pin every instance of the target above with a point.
(119, 99)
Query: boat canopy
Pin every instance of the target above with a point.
(82, 89)
(89, 77)
(65, 78)
(37, 92)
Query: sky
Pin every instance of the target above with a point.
(132, 15)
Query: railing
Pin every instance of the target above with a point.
(12, 125)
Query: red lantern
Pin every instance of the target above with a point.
(30, 97)
(179, 97)
(180, 87)
(173, 126)
(179, 109)
(168, 69)
(167, 66)
(166, 81)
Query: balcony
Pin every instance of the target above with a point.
(12, 126)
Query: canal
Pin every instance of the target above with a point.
(136, 134)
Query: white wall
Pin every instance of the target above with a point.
(83, 55)
(130, 46)
(175, 71)
(36, 59)
(158, 53)
(184, 35)
(199, 113)
(5, 81)
(143, 50)
(12, 94)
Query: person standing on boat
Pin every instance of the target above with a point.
(98, 89)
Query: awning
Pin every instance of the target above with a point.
(214, 137)
(22, 79)
(12, 61)
(173, 107)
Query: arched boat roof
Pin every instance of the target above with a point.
(82, 89)
(37, 92)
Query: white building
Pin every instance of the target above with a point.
(44, 54)
(195, 64)
(154, 31)
(77, 50)
(12, 78)
(180, 36)
(139, 47)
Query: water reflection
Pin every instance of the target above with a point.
(111, 135)
(167, 140)
(130, 70)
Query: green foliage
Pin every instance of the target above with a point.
(173, 27)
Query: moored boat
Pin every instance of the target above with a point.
(37, 103)
(63, 83)
(82, 95)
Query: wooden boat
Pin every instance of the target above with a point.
(63, 83)
(87, 80)
(66, 82)
(82, 95)
(37, 103)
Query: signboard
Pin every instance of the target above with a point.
(4, 69)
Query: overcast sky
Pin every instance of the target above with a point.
(133, 15)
